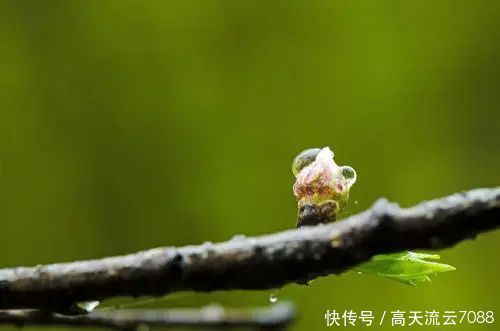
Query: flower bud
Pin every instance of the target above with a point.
(321, 187)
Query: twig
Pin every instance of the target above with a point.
(274, 317)
(256, 263)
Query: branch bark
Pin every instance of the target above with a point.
(275, 317)
(256, 263)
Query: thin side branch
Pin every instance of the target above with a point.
(256, 263)
(274, 317)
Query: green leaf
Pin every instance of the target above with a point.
(406, 267)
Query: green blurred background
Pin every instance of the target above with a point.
(126, 125)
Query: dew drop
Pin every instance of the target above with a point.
(349, 175)
(273, 298)
(359, 273)
(304, 159)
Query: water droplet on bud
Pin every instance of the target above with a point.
(303, 159)
(349, 175)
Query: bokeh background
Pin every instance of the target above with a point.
(126, 125)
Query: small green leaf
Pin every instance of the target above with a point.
(406, 267)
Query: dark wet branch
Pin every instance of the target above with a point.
(256, 263)
(275, 317)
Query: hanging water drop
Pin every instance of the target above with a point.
(273, 298)
(349, 175)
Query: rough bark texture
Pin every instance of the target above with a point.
(274, 317)
(256, 263)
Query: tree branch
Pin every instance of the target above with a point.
(274, 317)
(256, 263)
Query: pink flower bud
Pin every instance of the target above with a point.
(321, 186)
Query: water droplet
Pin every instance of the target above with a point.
(355, 202)
(304, 159)
(359, 273)
(273, 298)
(349, 175)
